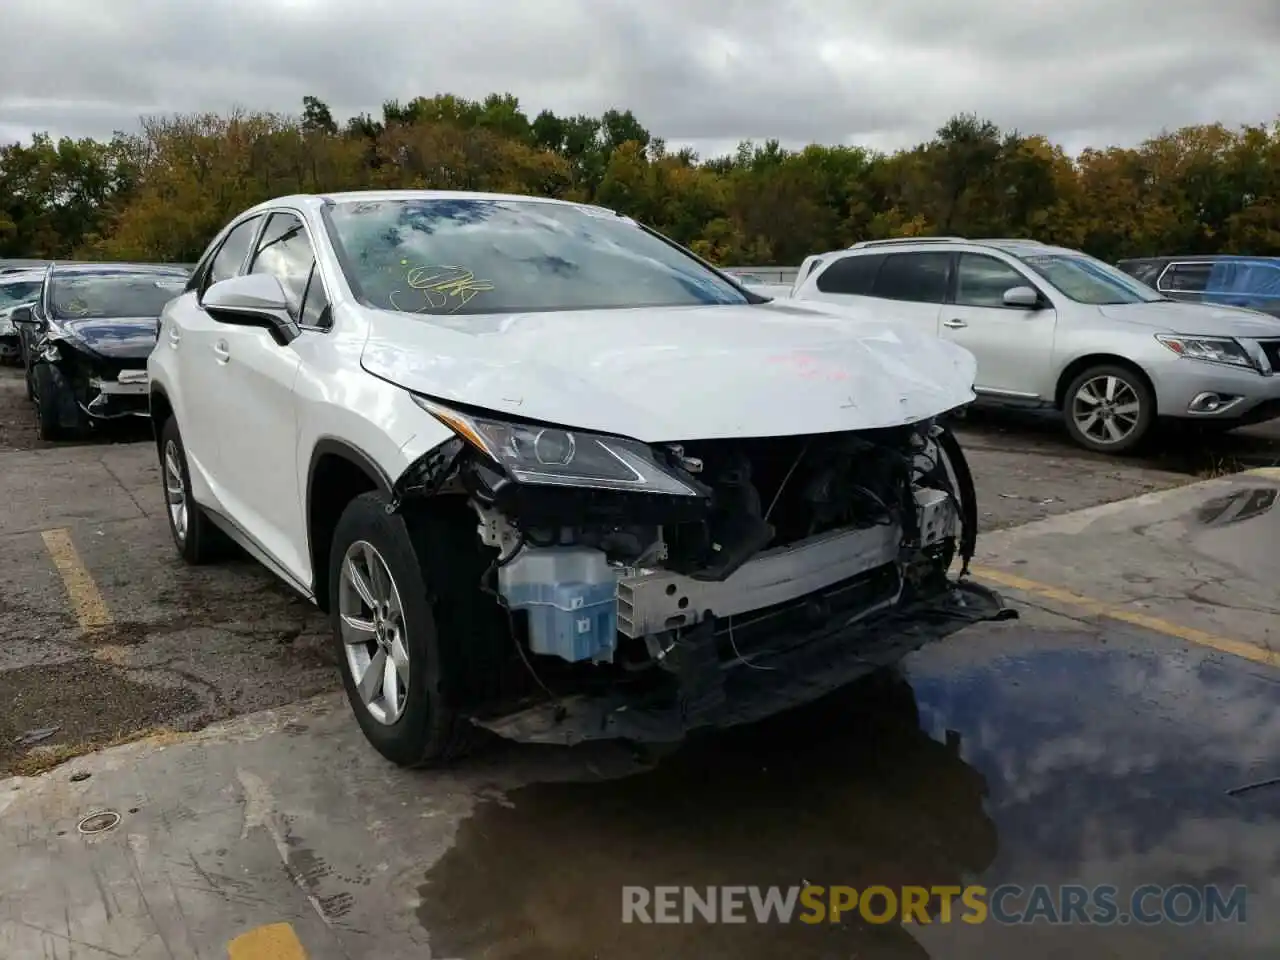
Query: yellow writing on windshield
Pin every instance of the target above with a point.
(441, 285)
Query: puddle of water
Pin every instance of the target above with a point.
(1240, 530)
(1070, 766)
(1245, 504)
(1117, 768)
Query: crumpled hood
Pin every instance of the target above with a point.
(113, 338)
(678, 373)
(1177, 316)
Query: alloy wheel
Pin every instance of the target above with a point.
(373, 632)
(1106, 409)
(175, 493)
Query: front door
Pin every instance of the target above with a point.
(259, 424)
(192, 335)
(1013, 345)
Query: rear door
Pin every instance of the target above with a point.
(257, 423)
(909, 287)
(915, 284)
(1013, 345)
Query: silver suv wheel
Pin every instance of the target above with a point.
(1106, 409)
(373, 632)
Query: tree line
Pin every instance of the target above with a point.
(160, 194)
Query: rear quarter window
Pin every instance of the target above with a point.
(850, 275)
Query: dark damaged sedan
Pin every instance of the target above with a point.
(86, 338)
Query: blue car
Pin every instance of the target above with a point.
(1230, 280)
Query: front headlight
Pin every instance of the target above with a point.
(1213, 349)
(564, 458)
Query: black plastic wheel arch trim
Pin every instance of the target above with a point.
(968, 494)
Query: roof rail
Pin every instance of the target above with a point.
(892, 240)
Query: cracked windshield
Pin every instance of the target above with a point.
(451, 256)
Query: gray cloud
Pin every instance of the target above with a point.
(695, 71)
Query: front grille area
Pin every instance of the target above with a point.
(1272, 349)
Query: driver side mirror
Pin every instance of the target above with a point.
(253, 300)
(23, 315)
(1025, 298)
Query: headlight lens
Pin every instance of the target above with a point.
(1213, 349)
(565, 458)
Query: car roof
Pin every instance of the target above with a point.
(1203, 258)
(316, 200)
(117, 269)
(1015, 246)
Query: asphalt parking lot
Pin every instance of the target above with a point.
(1094, 741)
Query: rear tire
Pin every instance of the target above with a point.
(197, 540)
(1109, 409)
(427, 621)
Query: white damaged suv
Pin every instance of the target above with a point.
(551, 474)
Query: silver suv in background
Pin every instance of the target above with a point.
(1054, 328)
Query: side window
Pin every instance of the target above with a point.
(850, 275)
(1185, 277)
(1227, 277)
(1264, 280)
(315, 304)
(230, 256)
(285, 252)
(920, 277)
(1143, 272)
(981, 281)
(812, 267)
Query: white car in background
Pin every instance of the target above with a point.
(1053, 328)
(553, 475)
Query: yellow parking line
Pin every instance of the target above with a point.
(90, 609)
(275, 941)
(1237, 648)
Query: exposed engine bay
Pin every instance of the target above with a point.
(791, 544)
(89, 387)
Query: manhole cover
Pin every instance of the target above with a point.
(98, 822)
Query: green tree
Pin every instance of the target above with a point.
(162, 193)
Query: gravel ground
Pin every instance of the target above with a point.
(186, 647)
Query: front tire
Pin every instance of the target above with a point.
(48, 391)
(197, 540)
(1109, 409)
(403, 679)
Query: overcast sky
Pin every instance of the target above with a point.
(882, 73)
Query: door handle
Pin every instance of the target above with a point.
(175, 337)
(221, 352)
(954, 324)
